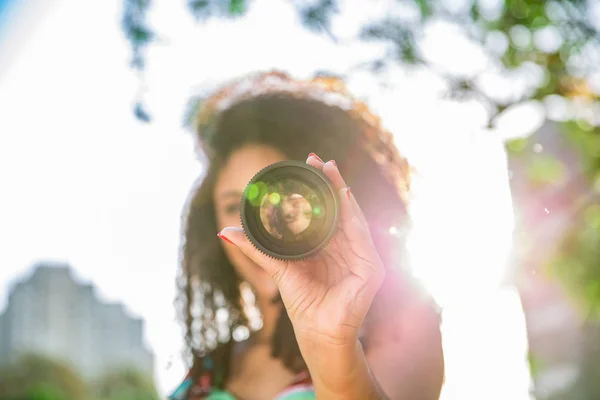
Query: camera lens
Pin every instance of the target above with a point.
(289, 210)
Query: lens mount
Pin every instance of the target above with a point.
(289, 210)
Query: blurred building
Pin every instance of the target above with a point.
(52, 314)
(545, 210)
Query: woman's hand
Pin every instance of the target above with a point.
(328, 295)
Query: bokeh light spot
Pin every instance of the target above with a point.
(253, 192)
(274, 198)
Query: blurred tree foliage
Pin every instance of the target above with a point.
(566, 178)
(556, 44)
(578, 262)
(559, 40)
(35, 377)
(124, 384)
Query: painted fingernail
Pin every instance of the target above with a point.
(315, 156)
(225, 238)
(348, 192)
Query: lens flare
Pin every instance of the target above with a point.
(253, 192)
(274, 198)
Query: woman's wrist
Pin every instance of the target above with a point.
(341, 371)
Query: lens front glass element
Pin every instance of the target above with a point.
(289, 210)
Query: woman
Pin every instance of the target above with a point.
(348, 323)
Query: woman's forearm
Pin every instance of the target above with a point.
(341, 372)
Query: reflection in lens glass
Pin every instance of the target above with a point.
(287, 210)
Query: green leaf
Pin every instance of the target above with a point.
(141, 114)
(200, 9)
(424, 8)
(237, 7)
(140, 34)
(318, 16)
(474, 13)
(142, 4)
(396, 34)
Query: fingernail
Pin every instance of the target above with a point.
(348, 192)
(333, 162)
(315, 156)
(225, 238)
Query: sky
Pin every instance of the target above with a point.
(81, 181)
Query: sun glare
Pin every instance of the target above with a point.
(459, 249)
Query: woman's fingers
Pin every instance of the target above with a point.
(329, 168)
(357, 210)
(237, 237)
(354, 227)
(314, 161)
(352, 220)
(348, 221)
(332, 172)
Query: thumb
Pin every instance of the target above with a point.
(237, 237)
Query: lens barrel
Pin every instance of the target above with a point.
(289, 210)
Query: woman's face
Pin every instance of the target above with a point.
(241, 166)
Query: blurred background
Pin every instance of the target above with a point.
(496, 104)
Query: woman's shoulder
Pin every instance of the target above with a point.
(192, 387)
(207, 373)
